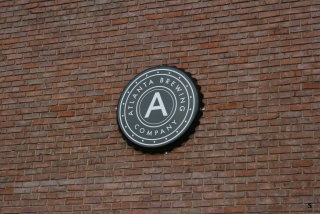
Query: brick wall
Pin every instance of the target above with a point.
(64, 63)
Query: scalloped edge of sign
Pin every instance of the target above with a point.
(184, 137)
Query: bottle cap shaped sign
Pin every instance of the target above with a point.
(158, 107)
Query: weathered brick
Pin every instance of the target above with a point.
(311, 85)
(165, 15)
(302, 163)
(66, 114)
(59, 108)
(119, 21)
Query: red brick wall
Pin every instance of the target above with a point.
(64, 63)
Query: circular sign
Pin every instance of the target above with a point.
(157, 107)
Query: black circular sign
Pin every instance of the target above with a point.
(157, 107)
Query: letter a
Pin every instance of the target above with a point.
(152, 107)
